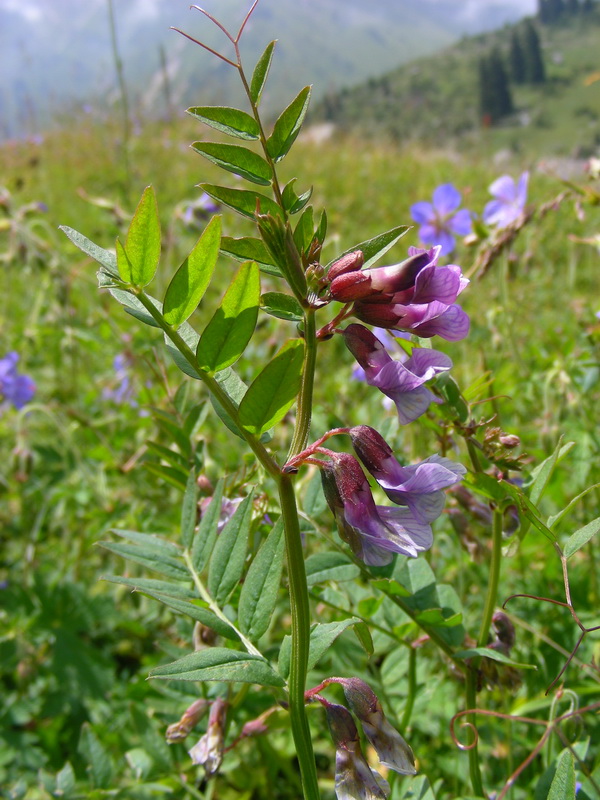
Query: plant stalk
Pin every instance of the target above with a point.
(305, 398)
(300, 638)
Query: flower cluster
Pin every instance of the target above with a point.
(354, 778)
(417, 295)
(375, 533)
(15, 388)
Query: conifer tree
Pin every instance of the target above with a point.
(495, 100)
(572, 7)
(516, 58)
(534, 62)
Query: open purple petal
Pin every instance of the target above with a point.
(461, 223)
(453, 325)
(422, 212)
(446, 199)
(521, 193)
(504, 189)
(411, 405)
(436, 283)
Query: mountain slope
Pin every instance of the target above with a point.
(435, 100)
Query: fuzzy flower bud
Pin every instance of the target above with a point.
(354, 778)
(348, 263)
(391, 748)
(208, 751)
(192, 715)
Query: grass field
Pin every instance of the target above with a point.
(79, 719)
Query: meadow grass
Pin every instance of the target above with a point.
(75, 463)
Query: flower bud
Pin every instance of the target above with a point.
(505, 632)
(348, 263)
(192, 715)
(208, 751)
(391, 748)
(509, 440)
(370, 447)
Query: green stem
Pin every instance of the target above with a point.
(412, 689)
(493, 580)
(305, 398)
(471, 700)
(300, 638)
(484, 630)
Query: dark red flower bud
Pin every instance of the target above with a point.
(348, 263)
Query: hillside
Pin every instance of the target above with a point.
(57, 56)
(434, 100)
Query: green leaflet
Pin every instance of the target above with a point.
(249, 248)
(244, 201)
(304, 231)
(206, 535)
(191, 280)
(220, 664)
(563, 784)
(229, 554)
(154, 585)
(494, 655)
(104, 257)
(322, 636)
(99, 762)
(138, 260)
(323, 567)
(261, 70)
(155, 561)
(376, 247)
(231, 121)
(225, 337)
(239, 160)
(261, 584)
(196, 612)
(189, 509)
(274, 390)
(282, 306)
(287, 127)
(581, 537)
(292, 202)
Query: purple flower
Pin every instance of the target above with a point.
(509, 203)
(440, 220)
(402, 380)
(208, 751)
(419, 486)
(391, 748)
(373, 532)
(354, 778)
(123, 391)
(14, 388)
(426, 307)
(196, 212)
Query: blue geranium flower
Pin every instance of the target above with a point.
(14, 388)
(508, 206)
(441, 220)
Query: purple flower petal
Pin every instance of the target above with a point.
(436, 283)
(446, 199)
(461, 223)
(453, 325)
(422, 212)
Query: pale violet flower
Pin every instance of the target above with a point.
(441, 220)
(508, 206)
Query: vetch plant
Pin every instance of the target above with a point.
(227, 569)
